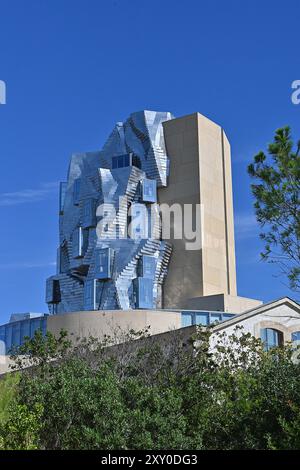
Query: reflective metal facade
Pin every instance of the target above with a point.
(95, 269)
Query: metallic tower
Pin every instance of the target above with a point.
(100, 264)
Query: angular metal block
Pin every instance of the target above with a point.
(143, 292)
(149, 190)
(103, 263)
(147, 266)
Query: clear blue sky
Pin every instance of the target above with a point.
(73, 68)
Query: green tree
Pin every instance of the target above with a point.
(149, 395)
(21, 430)
(19, 427)
(277, 203)
(8, 391)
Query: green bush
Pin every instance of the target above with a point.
(144, 396)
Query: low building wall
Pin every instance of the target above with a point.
(101, 323)
(278, 315)
(222, 303)
(113, 322)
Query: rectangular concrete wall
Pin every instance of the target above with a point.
(200, 173)
(222, 303)
(113, 323)
(185, 272)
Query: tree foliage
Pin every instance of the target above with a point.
(277, 203)
(21, 430)
(147, 395)
(18, 425)
(8, 390)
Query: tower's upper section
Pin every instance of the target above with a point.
(140, 136)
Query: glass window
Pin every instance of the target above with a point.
(202, 318)
(62, 196)
(90, 295)
(16, 334)
(80, 240)
(2, 348)
(271, 338)
(121, 161)
(77, 243)
(2, 341)
(114, 163)
(226, 316)
(296, 336)
(139, 220)
(168, 167)
(186, 319)
(8, 336)
(38, 324)
(147, 266)
(2, 333)
(89, 213)
(296, 339)
(149, 190)
(49, 290)
(126, 160)
(34, 325)
(143, 288)
(215, 317)
(44, 325)
(103, 263)
(25, 330)
(52, 291)
(76, 192)
(87, 208)
(58, 261)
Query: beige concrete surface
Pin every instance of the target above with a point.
(200, 173)
(222, 303)
(113, 322)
